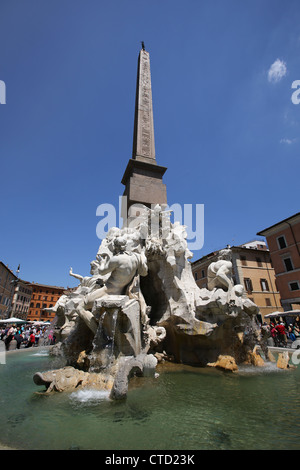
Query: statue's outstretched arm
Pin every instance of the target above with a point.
(77, 276)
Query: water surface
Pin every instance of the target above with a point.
(184, 409)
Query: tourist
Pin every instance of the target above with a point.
(281, 333)
(50, 337)
(19, 338)
(31, 340)
(37, 337)
(296, 330)
(9, 337)
(274, 334)
(290, 333)
(26, 334)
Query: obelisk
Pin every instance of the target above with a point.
(143, 176)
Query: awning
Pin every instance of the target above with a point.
(289, 313)
(13, 320)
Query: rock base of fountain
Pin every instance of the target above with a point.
(118, 350)
(68, 379)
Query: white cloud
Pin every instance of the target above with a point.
(287, 141)
(277, 71)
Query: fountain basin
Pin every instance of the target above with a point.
(185, 408)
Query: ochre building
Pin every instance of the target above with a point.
(253, 269)
(283, 240)
(7, 288)
(43, 296)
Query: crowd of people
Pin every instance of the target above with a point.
(26, 336)
(281, 332)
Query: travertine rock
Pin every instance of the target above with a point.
(69, 378)
(255, 359)
(226, 363)
(283, 360)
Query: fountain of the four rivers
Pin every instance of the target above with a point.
(141, 311)
(141, 301)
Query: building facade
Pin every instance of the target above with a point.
(7, 288)
(21, 299)
(283, 240)
(43, 296)
(253, 269)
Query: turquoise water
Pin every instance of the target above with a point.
(184, 408)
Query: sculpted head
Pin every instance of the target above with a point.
(120, 244)
(225, 255)
(94, 267)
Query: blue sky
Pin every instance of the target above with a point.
(226, 129)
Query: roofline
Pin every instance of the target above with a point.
(262, 232)
(235, 248)
(6, 267)
(251, 241)
(25, 282)
(46, 285)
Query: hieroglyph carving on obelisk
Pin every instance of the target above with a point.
(143, 146)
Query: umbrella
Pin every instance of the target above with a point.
(13, 320)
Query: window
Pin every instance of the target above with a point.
(243, 260)
(281, 242)
(288, 264)
(203, 273)
(196, 276)
(259, 262)
(248, 284)
(294, 285)
(264, 285)
(268, 302)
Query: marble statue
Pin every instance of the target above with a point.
(219, 273)
(66, 306)
(121, 267)
(142, 299)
